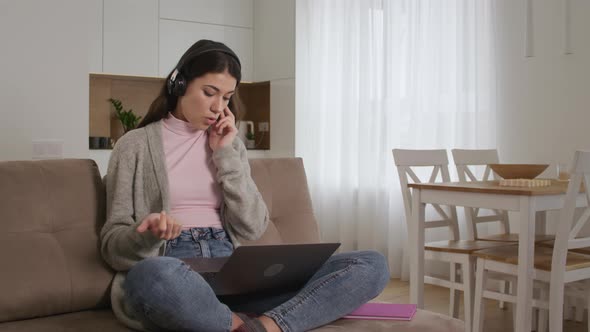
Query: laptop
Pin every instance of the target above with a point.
(259, 268)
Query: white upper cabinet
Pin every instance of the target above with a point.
(147, 37)
(239, 13)
(131, 37)
(222, 12)
(241, 41)
(177, 36)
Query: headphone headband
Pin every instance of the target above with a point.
(206, 49)
(178, 87)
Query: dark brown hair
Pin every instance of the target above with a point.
(191, 67)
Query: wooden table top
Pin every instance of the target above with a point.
(493, 187)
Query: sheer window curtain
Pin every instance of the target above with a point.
(377, 75)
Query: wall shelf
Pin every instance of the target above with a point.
(138, 92)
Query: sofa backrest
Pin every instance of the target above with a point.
(283, 185)
(49, 214)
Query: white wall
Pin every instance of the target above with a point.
(543, 101)
(274, 60)
(274, 39)
(48, 99)
(544, 104)
(44, 85)
(95, 35)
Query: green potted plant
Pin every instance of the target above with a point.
(128, 119)
(250, 142)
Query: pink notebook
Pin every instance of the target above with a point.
(385, 311)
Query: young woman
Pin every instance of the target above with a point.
(179, 186)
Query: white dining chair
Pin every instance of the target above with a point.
(554, 267)
(454, 250)
(465, 161)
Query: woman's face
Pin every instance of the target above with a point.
(205, 99)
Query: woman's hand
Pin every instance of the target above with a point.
(161, 225)
(224, 131)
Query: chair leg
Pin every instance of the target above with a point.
(479, 303)
(534, 319)
(504, 288)
(579, 310)
(535, 312)
(454, 293)
(556, 292)
(543, 313)
(468, 292)
(568, 308)
(513, 293)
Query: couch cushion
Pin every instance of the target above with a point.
(283, 185)
(90, 321)
(104, 320)
(423, 321)
(49, 248)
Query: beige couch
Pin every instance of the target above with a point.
(52, 277)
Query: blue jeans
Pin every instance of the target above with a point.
(166, 295)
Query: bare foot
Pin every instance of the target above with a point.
(269, 324)
(235, 321)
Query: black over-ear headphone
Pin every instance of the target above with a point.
(177, 82)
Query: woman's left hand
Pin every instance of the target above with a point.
(224, 131)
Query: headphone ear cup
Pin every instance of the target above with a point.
(170, 86)
(176, 85)
(179, 86)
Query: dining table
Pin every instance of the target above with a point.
(530, 205)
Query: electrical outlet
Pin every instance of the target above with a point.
(262, 126)
(47, 149)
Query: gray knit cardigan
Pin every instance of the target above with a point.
(137, 185)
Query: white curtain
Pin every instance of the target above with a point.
(376, 75)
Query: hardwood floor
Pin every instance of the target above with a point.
(437, 299)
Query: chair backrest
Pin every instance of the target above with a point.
(568, 230)
(568, 237)
(464, 159)
(406, 161)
